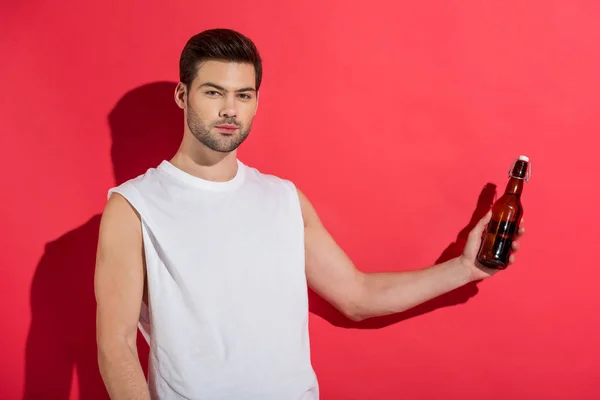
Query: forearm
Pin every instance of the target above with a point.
(122, 373)
(392, 292)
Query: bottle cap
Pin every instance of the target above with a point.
(521, 168)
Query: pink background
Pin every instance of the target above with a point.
(397, 119)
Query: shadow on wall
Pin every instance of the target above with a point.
(146, 127)
(458, 296)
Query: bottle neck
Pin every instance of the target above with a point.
(514, 186)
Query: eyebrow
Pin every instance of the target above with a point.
(213, 85)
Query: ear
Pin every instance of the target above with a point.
(180, 95)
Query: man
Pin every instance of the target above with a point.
(211, 258)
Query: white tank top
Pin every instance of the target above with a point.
(227, 312)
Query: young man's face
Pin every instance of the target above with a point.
(221, 103)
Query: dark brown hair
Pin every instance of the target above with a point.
(218, 44)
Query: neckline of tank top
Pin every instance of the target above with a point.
(200, 183)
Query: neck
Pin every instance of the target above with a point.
(204, 163)
(514, 186)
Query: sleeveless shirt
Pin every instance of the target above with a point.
(227, 310)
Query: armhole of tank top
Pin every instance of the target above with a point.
(295, 199)
(131, 194)
(131, 198)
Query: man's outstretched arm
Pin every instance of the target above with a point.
(358, 295)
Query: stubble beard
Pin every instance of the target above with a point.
(217, 141)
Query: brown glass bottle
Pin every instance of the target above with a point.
(507, 211)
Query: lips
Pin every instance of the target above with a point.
(227, 128)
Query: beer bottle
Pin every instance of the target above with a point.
(496, 244)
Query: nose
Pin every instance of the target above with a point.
(228, 110)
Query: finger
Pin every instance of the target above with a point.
(483, 222)
(521, 231)
(511, 259)
(516, 246)
(477, 231)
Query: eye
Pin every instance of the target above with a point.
(245, 96)
(212, 93)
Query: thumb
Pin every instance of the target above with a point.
(477, 231)
(475, 236)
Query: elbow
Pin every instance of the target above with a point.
(355, 317)
(354, 312)
(356, 305)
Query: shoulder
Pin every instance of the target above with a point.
(123, 202)
(126, 204)
(120, 227)
(268, 179)
(137, 183)
(136, 190)
(309, 213)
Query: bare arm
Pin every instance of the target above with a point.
(358, 295)
(119, 288)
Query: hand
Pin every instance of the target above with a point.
(469, 255)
